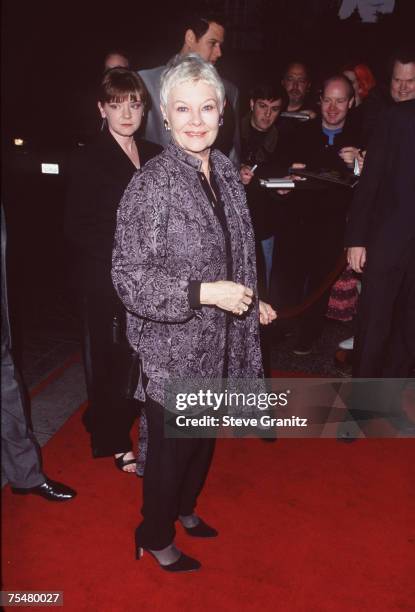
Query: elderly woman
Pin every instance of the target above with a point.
(184, 266)
(99, 174)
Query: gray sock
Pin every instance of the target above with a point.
(168, 555)
(189, 521)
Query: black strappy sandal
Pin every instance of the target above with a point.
(121, 463)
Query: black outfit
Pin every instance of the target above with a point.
(99, 176)
(311, 227)
(261, 148)
(264, 150)
(213, 195)
(371, 110)
(382, 219)
(184, 463)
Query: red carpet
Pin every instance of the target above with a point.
(305, 525)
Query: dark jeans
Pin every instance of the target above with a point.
(175, 472)
(109, 416)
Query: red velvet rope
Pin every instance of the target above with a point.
(294, 311)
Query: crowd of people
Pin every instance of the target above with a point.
(180, 252)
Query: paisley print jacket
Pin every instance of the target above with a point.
(167, 235)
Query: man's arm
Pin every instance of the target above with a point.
(364, 200)
(356, 258)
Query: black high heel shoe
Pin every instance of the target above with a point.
(201, 530)
(183, 563)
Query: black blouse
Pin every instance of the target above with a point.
(213, 194)
(98, 178)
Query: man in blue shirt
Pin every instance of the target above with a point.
(311, 226)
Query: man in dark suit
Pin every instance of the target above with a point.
(204, 35)
(20, 453)
(400, 87)
(380, 238)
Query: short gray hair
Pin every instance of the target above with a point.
(190, 67)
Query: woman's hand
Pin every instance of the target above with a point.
(227, 295)
(266, 313)
(246, 174)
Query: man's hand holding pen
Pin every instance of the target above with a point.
(247, 173)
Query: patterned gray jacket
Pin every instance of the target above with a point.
(167, 235)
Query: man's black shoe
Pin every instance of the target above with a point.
(50, 490)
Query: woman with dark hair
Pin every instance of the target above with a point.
(99, 175)
(184, 266)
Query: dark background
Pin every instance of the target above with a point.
(53, 51)
(52, 56)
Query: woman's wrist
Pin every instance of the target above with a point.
(207, 294)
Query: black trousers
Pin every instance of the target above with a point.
(290, 255)
(109, 416)
(324, 253)
(385, 339)
(175, 472)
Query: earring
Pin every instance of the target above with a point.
(103, 124)
(166, 125)
(220, 120)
